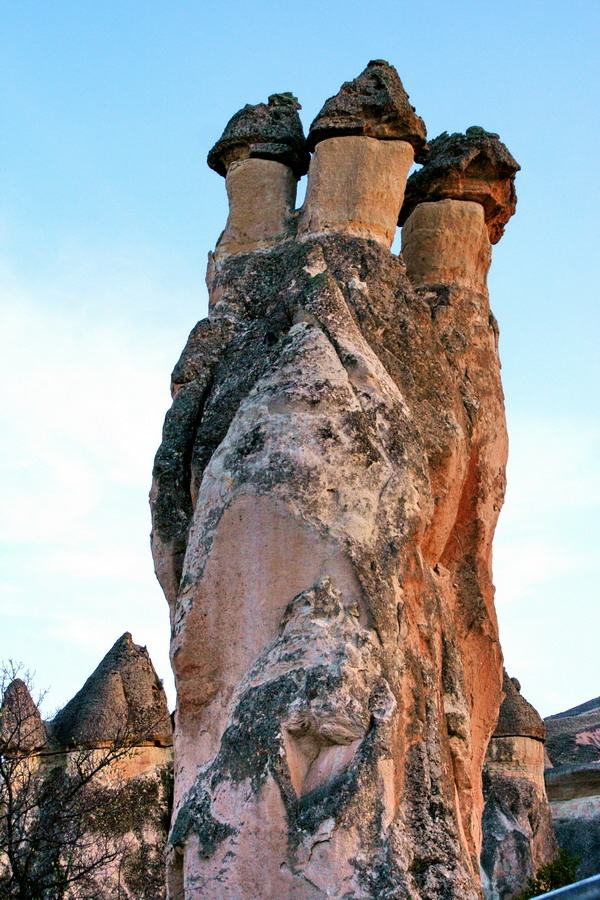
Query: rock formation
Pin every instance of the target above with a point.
(97, 776)
(122, 699)
(573, 782)
(474, 166)
(21, 725)
(324, 502)
(518, 836)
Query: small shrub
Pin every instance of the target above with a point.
(556, 874)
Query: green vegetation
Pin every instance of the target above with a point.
(556, 874)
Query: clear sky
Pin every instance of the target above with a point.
(108, 211)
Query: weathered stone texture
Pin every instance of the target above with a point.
(573, 782)
(122, 698)
(95, 781)
(262, 196)
(374, 104)
(447, 243)
(473, 166)
(356, 185)
(266, 131)
(21, 725)
(518, 836)
(324, 502)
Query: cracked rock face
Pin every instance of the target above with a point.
(324, 501)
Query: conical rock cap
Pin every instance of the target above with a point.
(518, 717)
(21, 726)
(474, 166)
(374, 104)
(123, 700)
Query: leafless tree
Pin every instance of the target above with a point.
(65, 817)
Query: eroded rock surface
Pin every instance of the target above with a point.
(121, 714)
(270, 131)
(91, 790)
(374, 104)
(518, 836)
(324, 502)
(573, 782)
(21, 725)
(122, 698)
(472, 166)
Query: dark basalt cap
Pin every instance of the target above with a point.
(265, 131)
(473, 166)
(518, 718)
(374, 104)
(123, 700)
(21, 726)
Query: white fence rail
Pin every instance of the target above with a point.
(581, 890)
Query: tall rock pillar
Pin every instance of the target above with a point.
(323, 504)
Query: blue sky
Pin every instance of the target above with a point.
(108, 210)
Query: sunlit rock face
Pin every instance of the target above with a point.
(518, 836)
(324, 502)
(573, 782)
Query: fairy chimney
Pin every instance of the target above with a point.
(324, 502)
(122, 700)
(518, 836)
(261, 153)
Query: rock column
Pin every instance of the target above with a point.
(518, 836)
(455, 207)
(323, 506)
(362, 158)
(262, 154)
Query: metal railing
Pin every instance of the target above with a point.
(589, 889)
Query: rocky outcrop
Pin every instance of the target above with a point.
(324, 501)
(475, 166)
(122, 699)
(376, 105)
(95, 783)
(21, 727)
(261, 153)
(120, 714)
(573, 782)
(518, 836)
(270, 130)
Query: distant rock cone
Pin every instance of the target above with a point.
(21, 726)
(122, 700)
